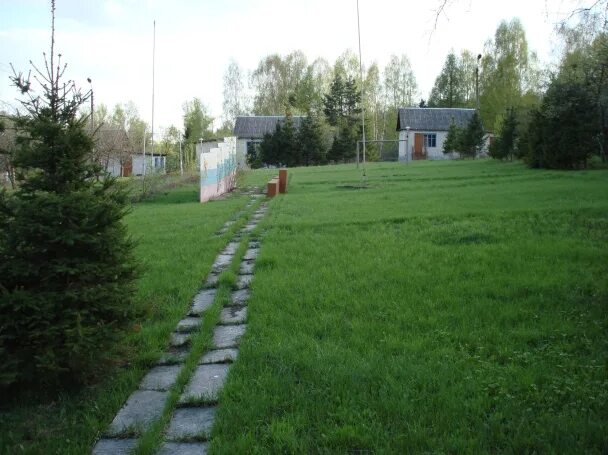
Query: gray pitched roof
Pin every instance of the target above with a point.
(255, 127)
(432, 118)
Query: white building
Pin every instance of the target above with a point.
(423, 130)
(154, 163)
(250, 131)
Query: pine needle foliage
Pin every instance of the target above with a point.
(66, 264)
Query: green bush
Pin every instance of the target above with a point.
(66, 265)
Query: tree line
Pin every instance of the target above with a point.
(517, 99)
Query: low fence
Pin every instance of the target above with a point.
(218, 169)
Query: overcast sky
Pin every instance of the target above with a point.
(110, 41)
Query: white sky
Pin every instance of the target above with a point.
(110, 41)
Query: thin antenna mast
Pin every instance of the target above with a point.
(153, 67)
(361, 79)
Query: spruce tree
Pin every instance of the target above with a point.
(66, 264)
(472, 136)
(311, 141)
(452, 140)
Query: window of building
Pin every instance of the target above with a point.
(430, 140)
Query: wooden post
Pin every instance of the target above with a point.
(282, 180)
(273, 187)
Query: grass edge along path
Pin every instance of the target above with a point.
(165, 229)
(448, 307)
(218, 283)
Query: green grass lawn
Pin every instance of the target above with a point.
(454, 307)
(446, 307)
(176, 246)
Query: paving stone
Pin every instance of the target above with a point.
(212, 280)
(188, 324)
(219, 356)
(202, 301)
(141, 409)
(184, 448)
(112, 446)
(188, 423)
(222, 231)
(250, 227)
(231, 248)
(227, 336)
(206, 383)
(160, 378)
(174, 356)
(251, 254)
(254, 244)
(233, 315)
(179, 339)
(222, 262)
(247, 267)
(243, 281)
(239, 297)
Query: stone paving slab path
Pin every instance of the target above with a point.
(141, 409)
(189, 423)
(202, 301)
(220, 356)
(174, 356)
(160, 378)
(184, 448)
(195, 420)
(233, 315)
(114, 446)
(244, 281)
(228, 336)
(180, 339)
(189, 324)
(251, 254)
(246, 267)
(206, 383)
(239, 297)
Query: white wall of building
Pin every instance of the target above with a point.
(406, 146)
(153, 164)
(113, 167)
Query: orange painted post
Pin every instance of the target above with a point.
(273, 187)
(282, 180)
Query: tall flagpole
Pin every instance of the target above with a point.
(153, 67)
(361, 78)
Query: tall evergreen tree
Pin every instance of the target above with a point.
(310, 141)
(471, 139)
(342, 109)
(447, 90)
(563, 132)
(453, 138)
(66, 265)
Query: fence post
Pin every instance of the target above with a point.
(282, 180)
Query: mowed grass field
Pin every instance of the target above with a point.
(176, 246)
(449, 307)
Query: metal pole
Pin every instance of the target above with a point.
(358, 154)
(181, 160)
(153, 55)
(477, 81)
(407, 145)
(362, 91)
(92, 107)
(143, 164)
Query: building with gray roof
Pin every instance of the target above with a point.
(423, 130)
(250, 131)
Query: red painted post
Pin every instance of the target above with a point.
(282, 180)
(273, 187)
